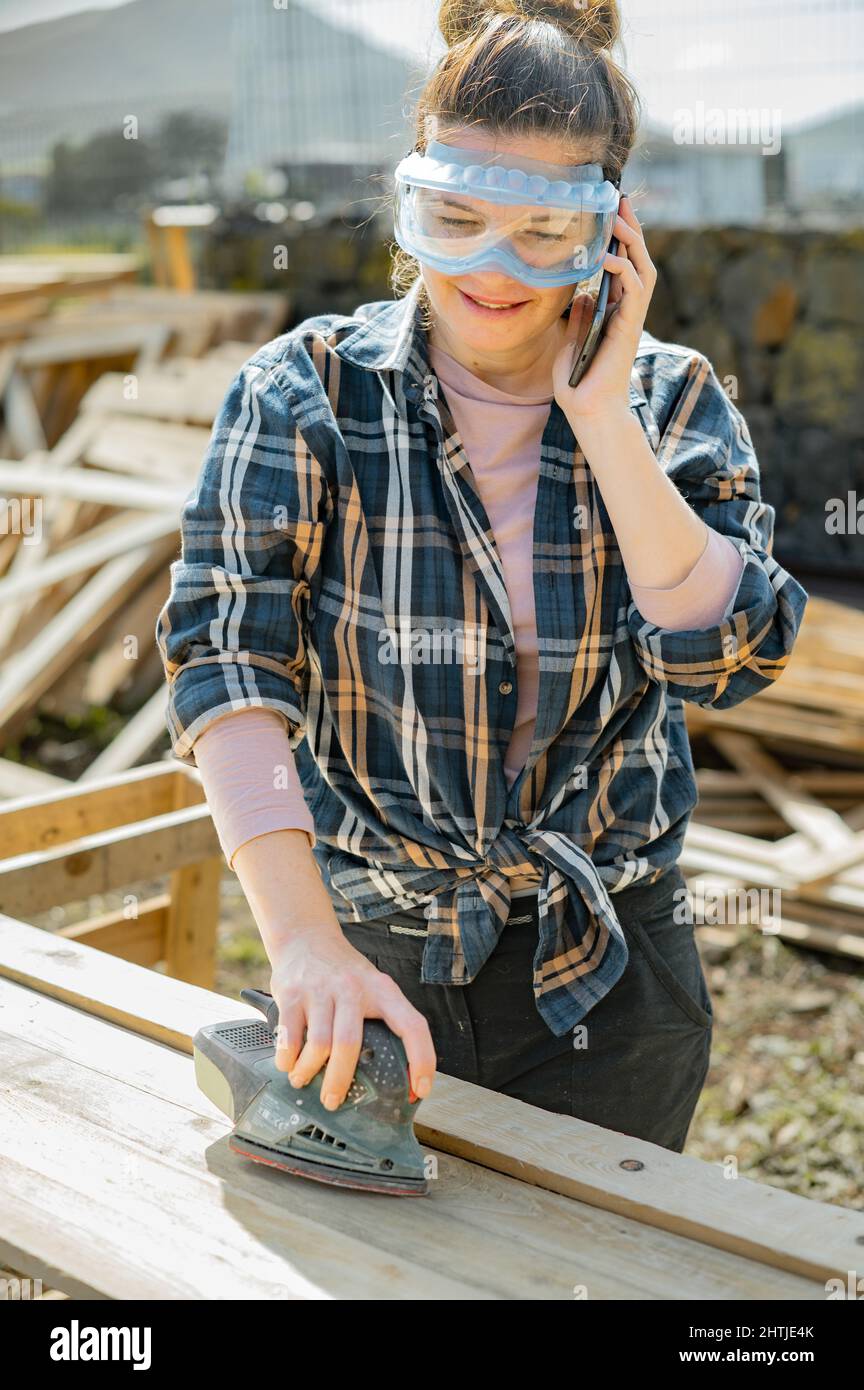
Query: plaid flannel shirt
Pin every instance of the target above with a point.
(338, 566)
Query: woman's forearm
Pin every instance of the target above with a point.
(283, 886)
(660, 536)
(266, 832)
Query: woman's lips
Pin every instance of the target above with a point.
(481, 309)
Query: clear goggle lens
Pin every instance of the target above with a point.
(549, 239)
(559, 237)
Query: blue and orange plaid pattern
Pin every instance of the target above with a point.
(335, 510)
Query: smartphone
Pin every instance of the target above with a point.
(582, 361)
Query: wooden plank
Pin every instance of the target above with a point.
(30, 557)
(133, 1113)
(797, 924)
(140, 939)
(65, 1172)
(48, 818)
(107, 861)
(800, 727)
(90, 485)
(671, 1191)
(791, 849)
(830, 864)
(147, 448)
(190, 390)
(65, 269)
(127, 651)
(194, 322)
(798, 807)
(825, 845)
(72, 344)
(193, 913)
(103, 986)
(828, 784)
(74, 630)
(818, 702)
(21, 415)
(17, 780)
(115, 537)
(764, 864)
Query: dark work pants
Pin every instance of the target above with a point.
(638, 1060)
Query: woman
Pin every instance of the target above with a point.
(437, 615)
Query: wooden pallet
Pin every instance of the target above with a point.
(103, 1131)
(31, 285)
(100, 478)
(81, 583)
(79, 842)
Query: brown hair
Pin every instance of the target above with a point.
(528, 67)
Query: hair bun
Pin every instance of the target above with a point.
(596, 23)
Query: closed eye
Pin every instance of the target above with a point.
(459, 222)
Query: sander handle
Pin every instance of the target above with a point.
(265, 1003)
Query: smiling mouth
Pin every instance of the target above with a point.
(493, 306)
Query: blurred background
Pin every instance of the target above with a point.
(239, 144)
(295, 109)
(179, 183)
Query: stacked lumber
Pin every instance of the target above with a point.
(31, 285)
(48, 363)
(85, 571)
(781, 810)
(808, 895)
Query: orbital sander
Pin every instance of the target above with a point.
(367, 1143)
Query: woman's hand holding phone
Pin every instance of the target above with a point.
(588, 338)
(604, 387)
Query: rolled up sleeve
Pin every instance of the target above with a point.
(231, 632)
(706, 450)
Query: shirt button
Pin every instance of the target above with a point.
(504, 688)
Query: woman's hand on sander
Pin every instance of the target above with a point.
(325, 987)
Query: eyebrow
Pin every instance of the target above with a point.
(542, 214)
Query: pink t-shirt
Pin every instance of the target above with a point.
(246, 764)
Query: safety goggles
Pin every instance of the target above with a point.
(545, 224)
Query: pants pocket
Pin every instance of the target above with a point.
(643, 1053)
(670, 949)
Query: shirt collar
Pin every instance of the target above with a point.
(390, 338)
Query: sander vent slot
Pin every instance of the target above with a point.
(246, 1035)
(322, 1137)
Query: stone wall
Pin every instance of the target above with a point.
(781, 317)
